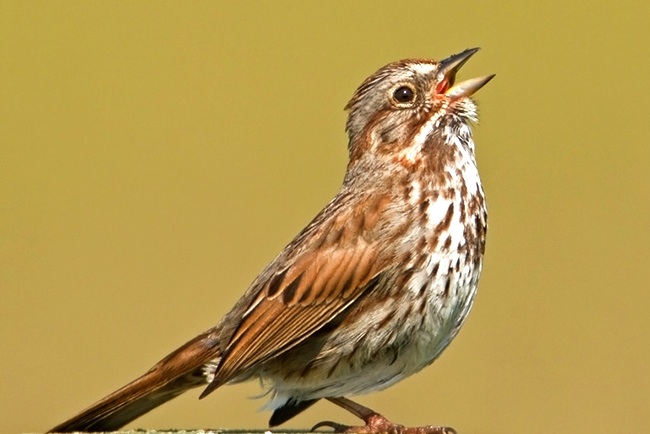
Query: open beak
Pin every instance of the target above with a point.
(448, 69)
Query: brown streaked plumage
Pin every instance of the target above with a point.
(374, 288)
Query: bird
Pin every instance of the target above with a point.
(373, 289)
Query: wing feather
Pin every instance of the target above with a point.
(307, 290)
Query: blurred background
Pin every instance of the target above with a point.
(154, 156)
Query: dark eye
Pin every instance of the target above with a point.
(403, 94)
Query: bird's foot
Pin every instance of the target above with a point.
(378, 424)
(375, 422)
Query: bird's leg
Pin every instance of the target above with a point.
(375, 422)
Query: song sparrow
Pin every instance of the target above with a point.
(374, 288)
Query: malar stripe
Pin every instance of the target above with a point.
(421, 137)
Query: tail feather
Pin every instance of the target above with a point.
(179, 372)
(289, 410)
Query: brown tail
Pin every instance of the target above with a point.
(179, 372)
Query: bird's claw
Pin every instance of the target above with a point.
(337, 427)
(381, 425)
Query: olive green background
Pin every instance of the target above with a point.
(155, 155)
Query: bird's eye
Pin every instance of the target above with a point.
(404, 94)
